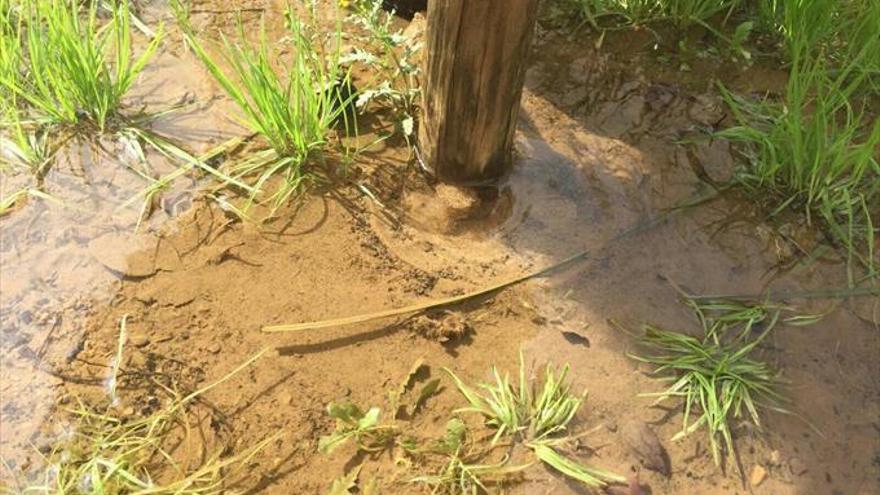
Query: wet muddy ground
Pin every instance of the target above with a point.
(599, 153)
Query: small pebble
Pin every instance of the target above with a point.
(797, 466)
(213, 348)
(759, 474)
(775, 458)
(137, 360)
(139, 340)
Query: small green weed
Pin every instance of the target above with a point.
(354, 424)
(25, 146)
(464, 471)
(460, 463)
(392, 57)
(528, 410)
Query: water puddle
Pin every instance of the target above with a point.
(599, 154)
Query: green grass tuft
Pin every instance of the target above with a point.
(714, 376)
(816, 149)
(296, 111)
(535, 412)
(531, 410)
(72, 68)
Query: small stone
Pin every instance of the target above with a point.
(213, 348)
(775, 458)
(285, 398)
(139, 340)
(797, 466)
(759, 474)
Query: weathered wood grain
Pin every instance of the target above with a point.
(473, 78)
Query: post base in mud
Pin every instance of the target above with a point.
(474, 71)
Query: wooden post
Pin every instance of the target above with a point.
(475, 64)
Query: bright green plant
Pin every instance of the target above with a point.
(21, 145)
(534, 412)
(817, 148)
(296, 111)
(76, 69)
(10, 50)
(715, 376)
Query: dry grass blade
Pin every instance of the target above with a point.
(414, 308)
(114, 455)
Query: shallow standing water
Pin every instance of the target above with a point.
(597, 156)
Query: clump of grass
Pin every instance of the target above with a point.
(715, 376)
(528, 409)
(718, 383)
(816, 149)
(295, 111)
(74, 69)
(535, 412)
(22, 145)
(62, 64)
(10, 50)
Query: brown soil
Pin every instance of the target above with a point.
(597, 156)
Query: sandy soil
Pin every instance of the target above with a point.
(599, 154)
